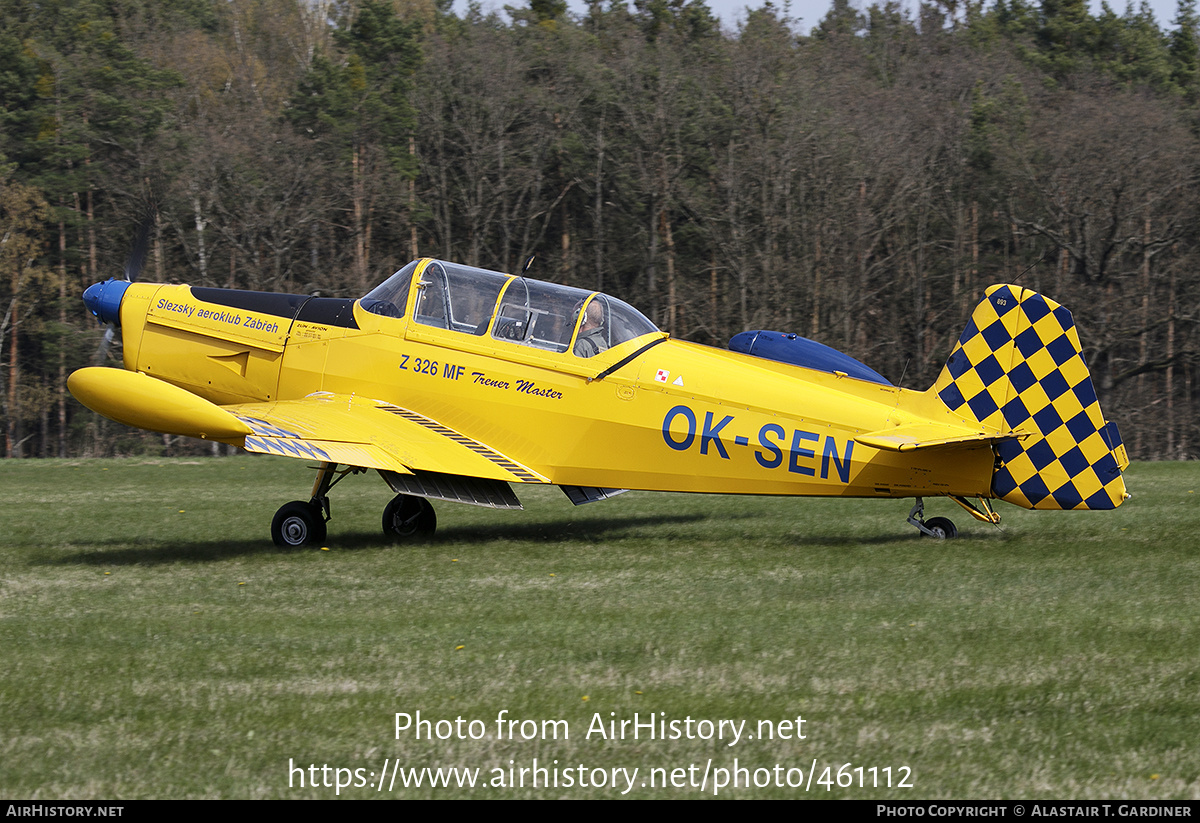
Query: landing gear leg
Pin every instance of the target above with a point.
(327, 475)
(303, 524)
(939, 528)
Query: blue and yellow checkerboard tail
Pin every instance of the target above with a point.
(1018, 367)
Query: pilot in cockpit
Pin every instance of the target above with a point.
(591, 340)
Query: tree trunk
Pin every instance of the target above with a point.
(599, 206)
(10, 428)
(565, 241)
(61, 388)
(201, 252)
(815, 323)
(1143, 343)
(412, 204)
(358, 196)
(669, 240)
(1170, 387)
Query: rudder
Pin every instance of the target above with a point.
(1018, 367)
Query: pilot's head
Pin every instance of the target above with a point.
(593, 317)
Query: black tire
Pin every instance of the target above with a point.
(942, 528)
(298, 524)
(409, 518)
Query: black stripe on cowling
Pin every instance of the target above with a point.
(328, 311)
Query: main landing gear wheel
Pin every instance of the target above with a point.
(942, 528)
(939, 528)
(409, 518)
(298, 524)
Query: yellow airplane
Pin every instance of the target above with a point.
(454, 382)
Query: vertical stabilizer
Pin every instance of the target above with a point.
(1018, 366)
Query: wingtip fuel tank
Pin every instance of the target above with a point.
(147, 403)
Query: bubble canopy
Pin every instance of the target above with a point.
(516, 309)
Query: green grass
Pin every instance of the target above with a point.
(155, 644)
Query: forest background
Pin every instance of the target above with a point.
(860, 184)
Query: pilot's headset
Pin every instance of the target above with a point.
(579, 307)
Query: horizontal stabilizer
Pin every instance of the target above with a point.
(928, 436)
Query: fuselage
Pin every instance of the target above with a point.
(645, 413)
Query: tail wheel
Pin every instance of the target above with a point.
(942, 527)
(298, 524)
(409, 518)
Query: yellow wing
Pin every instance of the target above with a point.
(372, 434)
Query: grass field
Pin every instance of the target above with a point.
(155, 643)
